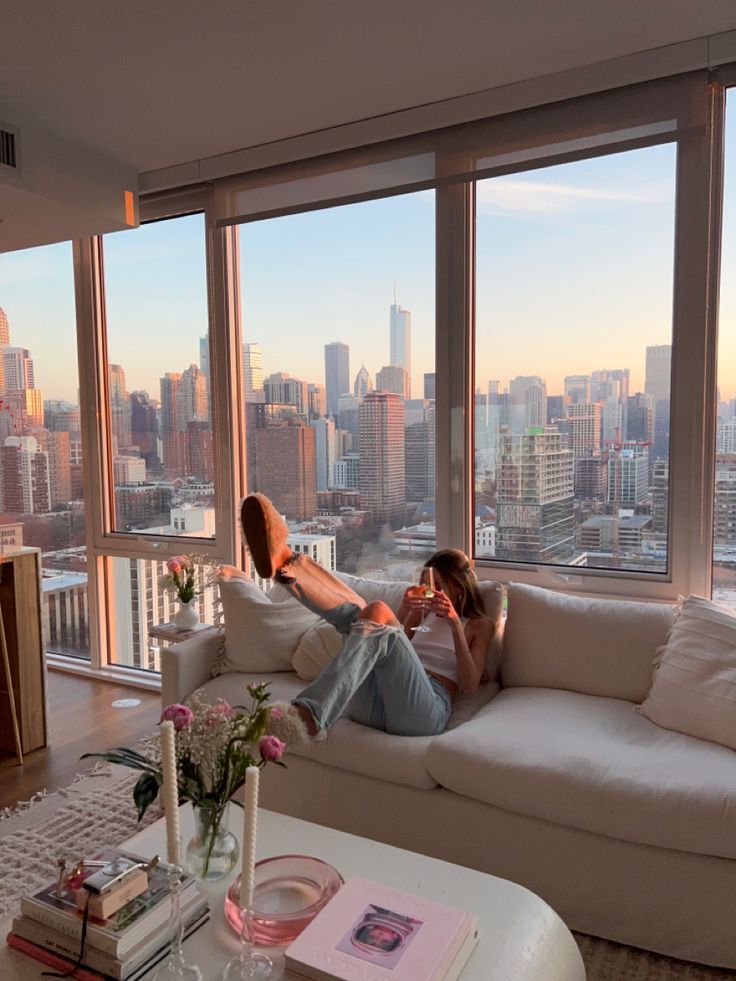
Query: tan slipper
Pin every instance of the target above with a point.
(266, 533)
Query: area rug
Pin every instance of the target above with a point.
(97, 809)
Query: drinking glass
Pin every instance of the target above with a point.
(423, 588)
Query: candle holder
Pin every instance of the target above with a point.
(247, 964)
(176, 967)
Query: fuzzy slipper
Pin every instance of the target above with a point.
(287, 725)
(266, 533)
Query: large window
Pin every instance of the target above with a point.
(574, 269)
(338, 379)
(724, 505)
(41, 493)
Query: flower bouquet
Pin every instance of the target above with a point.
(215, 744)
(180, 578)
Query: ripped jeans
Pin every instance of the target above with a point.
(378, 680)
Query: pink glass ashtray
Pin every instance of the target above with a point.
(288, 892)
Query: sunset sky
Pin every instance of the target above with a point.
(574, 274)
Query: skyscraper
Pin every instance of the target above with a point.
(382, 481)
(419, 464)
(281, 388)
(394, 378)
(325, 446)
(429, 385)
(640, 418)
(657, 371)
(4, 329)
(169, 416)
(400, 339)
(119, 408)
(584, 428)
(25, 476)
(535, 502)
(18, 369)
(362, 384)
(628, 475)
(577, 388)
(337, 374)
(253, 372)
(287, 467)
(528, 394)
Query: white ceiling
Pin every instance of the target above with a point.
(154, 83)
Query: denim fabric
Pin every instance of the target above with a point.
(378, 679)
(341, 617)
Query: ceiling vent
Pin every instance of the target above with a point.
(8, 148)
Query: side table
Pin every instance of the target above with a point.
(162, 634)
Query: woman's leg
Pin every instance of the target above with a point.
(314, 586)
(377, 676)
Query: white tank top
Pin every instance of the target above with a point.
(436, 647)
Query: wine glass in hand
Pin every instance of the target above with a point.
(423, 589)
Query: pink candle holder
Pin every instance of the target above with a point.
(288, 892)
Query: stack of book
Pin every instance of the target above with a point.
(123, 947)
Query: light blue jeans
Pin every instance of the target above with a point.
(378, 680)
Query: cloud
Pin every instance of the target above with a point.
(504, 194)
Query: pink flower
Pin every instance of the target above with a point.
(271, 749)
(174, 565)
(276, 713)
(180, 715)
(222, 708)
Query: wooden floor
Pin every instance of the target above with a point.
(81, 720)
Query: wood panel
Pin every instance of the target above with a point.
(81, 720)
(20, 601)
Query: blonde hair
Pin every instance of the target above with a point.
(453, 566)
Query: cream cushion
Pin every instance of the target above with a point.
(261, 634)
(350, 746)
(595, 764)
(594, 646)
(694, 687)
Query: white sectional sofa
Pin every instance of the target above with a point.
(553, 780)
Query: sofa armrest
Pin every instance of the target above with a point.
(188, 665)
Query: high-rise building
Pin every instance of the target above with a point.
(628, 475)
(590, 474)
(199, 452)
(325, 446)
(429, 385)
(382, 482)
(419, 459)
(192, 404)
(144, 429)
(640, 418)
(4, 329)
(25, 476)
(253, 372)
(287, 467)
(119, 409)
(204, 359)
(348, 413)
(535, 502)
(661, 495)
(393, 378)
(362, 384)
(347, 471)
(317, 401)
(528, 403)
(657, 371)
(142, 505)
(610, 387)
(56, 445)
(584, 428)
(27, 408)
(282, 388)
(18, 371)
(400, 340)
(557, 410)
(337, 374)
(60, 416)
(169, 422)
(577, 388)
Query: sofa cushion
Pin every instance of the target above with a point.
(350, 746)
(694, 687)
(260, 634)
(595, 764)
(594, 646)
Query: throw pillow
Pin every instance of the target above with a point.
(694, 686)
(584, 644)
(260, 635)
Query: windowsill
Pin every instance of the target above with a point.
(130, 677)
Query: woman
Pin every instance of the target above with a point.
(387, 676)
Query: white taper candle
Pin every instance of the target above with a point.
(250, 816)
(171, 793)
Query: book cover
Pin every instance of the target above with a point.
(371, 932)
(130, 925)
(57, 943)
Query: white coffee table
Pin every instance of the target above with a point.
(521, 937)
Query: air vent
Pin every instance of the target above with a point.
(8, 156)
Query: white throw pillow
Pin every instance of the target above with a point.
(260, 635)
(576, 643)
(694, 686)
(315, 650)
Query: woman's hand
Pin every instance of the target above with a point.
(441, 605)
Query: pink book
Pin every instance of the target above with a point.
(51, 959)
(370, 932)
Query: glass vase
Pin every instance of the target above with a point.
(213, 851)
(187, 615)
